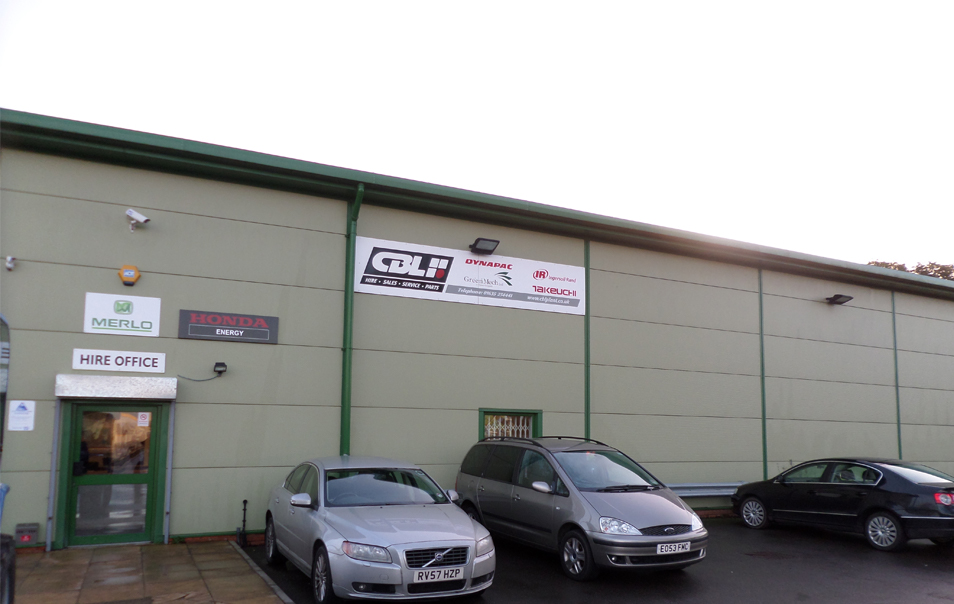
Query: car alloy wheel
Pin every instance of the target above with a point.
(321, 588)
(884, 532)
(575, 557)
(471, 511)
(272, 555)
(754, 514)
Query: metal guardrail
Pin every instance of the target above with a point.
(705, 489)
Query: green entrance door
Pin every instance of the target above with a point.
(115, 472)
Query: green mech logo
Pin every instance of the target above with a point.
(122, 307)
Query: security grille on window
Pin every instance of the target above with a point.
(520, 426)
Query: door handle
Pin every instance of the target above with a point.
(291, 511)
(862, 494)
(276, 500)
(480, 488)
(516, 497)
(812, 493)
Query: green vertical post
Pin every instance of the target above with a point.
(897, 382)
(762, 380)
(586, 341)
(347, 338)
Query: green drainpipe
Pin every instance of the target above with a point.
(586, 341)
(897, 382)
(347, 344)
(762, 380)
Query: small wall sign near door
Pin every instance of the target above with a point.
(122, 315)
(227, 327)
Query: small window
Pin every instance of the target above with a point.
(502, 462)
(294, 479)
(476, 460)
(535, 468)
(809, 473)
(309, 484)
(513, 423)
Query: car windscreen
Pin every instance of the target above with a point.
(604, 471)
(919, 474)
(380, 486)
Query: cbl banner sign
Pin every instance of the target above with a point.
(122, 315)
(408, 270)
(119, 360)
(228, 327)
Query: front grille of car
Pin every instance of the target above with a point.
(429, 588)
(419, 558)
(663, 559)
(660, 531)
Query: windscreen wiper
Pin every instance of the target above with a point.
(622, 488)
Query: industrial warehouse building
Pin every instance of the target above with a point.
(351, 314)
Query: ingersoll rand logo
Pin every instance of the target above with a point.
(406, 269)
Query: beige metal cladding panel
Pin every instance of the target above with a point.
(51, 297)
(635, 344)
(814, 320)
(666, 392)
(209, 500)
(794, 441)
(921, 306)
(811, 360)
(559, 423)
(145, 190)
(925, 335)
(816, 290)
(921, 370)
(646, 263)
(930, 444)
(224, 435)
(829, 401)
(927, 407)
(614, 295)
(26, 501)
(419, 436)
(389, 379)
(29, 451)
(412, 325)
(423, 229)
(681, 472)
(79, 232)
(259, 374)
(651, 438)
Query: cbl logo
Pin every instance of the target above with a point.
(122, 307)
(429, 267)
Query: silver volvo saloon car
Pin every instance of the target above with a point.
(364, 527)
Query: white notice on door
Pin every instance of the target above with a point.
(143, 420)
(22, 414)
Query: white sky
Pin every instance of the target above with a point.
(824, 127)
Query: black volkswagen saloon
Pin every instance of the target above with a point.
(888, 501)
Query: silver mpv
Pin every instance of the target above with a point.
(366, 527)
(581, 498)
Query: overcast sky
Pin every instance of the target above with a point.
(822, 127)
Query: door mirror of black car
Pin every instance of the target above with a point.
(301, 500)
(541, 486)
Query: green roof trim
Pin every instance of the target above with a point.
(130, 148)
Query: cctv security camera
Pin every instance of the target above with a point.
(134, 218)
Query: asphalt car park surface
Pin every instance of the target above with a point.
(779, 564)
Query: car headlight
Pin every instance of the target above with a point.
(615, 526)
(696, 522)
(369, 553)
(485, 546)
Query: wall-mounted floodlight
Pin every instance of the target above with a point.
(220, 368)
(839, 299)
(484, 246)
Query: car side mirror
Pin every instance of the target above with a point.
(301, 500)
(541, 486)
(453, 495)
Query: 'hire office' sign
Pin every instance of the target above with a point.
(227, 327)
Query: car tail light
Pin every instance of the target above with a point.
(944, 498)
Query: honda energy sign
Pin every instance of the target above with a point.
(227, 327)
(408, 270)
(122, 315)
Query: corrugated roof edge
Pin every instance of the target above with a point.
(95, 142)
